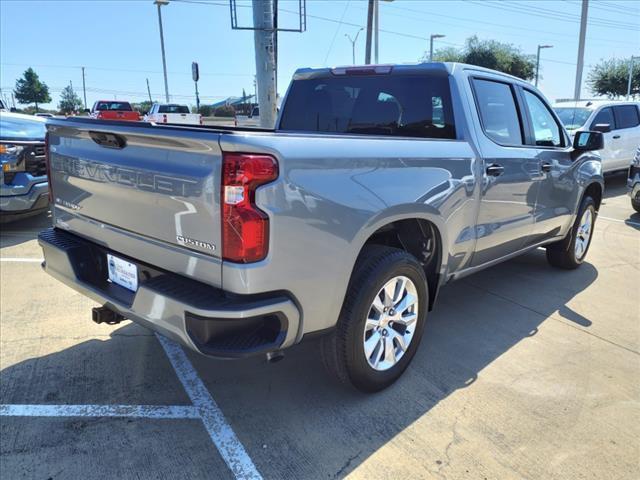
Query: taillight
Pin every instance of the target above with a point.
(47, 162)
(245, 228)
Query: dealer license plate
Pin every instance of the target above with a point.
(122, 272)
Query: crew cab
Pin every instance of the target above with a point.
(619, 121)
(172, 113)
(378, 185)
(114, 110)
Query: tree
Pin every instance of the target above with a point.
(69, 101)
(503, 57)
(225, 111)
(611, 77)
(142, 107)
(29, 89)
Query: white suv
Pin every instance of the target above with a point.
(619, 121)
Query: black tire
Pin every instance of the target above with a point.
(562, 254)
(343, 350)
(635, 204)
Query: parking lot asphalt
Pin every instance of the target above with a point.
(524, 371)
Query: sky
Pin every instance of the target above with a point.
(118, 42)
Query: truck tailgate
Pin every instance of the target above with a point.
(157, 186)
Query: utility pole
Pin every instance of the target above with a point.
(149, 91)
(84, 89)
(160, 3)
(431, 38)
(583, 35)
(630, 76)
(353, 44)
(265, 61)
(13, 100)
(376, 8)
(540, 47)
(367, 52)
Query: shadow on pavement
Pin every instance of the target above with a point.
(615, 184)
(294, 420)
(24, 229)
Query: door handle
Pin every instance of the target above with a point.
(546, 167)
(616, 136)
(495, 170)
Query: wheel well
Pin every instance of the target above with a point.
(594, 191)
(421, 239)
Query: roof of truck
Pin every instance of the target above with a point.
(591, 104)
(448, 67)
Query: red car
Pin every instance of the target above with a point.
(114, 110)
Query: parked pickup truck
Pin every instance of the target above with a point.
(172, 113)
(378, 185)
(114, 110)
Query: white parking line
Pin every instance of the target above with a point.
(133, 411)
(219, 430)
(21, 260)
(628, 222)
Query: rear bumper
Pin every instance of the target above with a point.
(199, 316)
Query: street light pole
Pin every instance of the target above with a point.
(540, 47)
(435, 35)
(630, 75)
(353, 44)
(160, 3)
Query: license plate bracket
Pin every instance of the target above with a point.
(122, 272)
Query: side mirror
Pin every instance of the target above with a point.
(601, 127)
(588, 141)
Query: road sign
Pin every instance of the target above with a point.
(195, 71)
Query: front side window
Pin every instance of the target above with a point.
(604, 117)
(498, 111)
(626, 116)
(573, 118)
(395, 105)
(546, 132)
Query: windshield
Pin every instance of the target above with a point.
(173, 109)
(21, 128)
(397, 105)
(122, 106)
(573, 118)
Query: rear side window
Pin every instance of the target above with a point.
(604, 116)
(497, 106)
(626, 116)
(173, 109)
(395, 105)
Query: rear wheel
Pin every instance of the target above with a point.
(570, 252)
(381, 322)
(635, 203)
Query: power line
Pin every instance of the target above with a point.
(128, 70)
(333, 40)
(475, 21)
(569, 16)
(548, 14)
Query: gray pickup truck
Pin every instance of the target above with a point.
(378, 185)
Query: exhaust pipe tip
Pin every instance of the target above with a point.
(275, 357)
